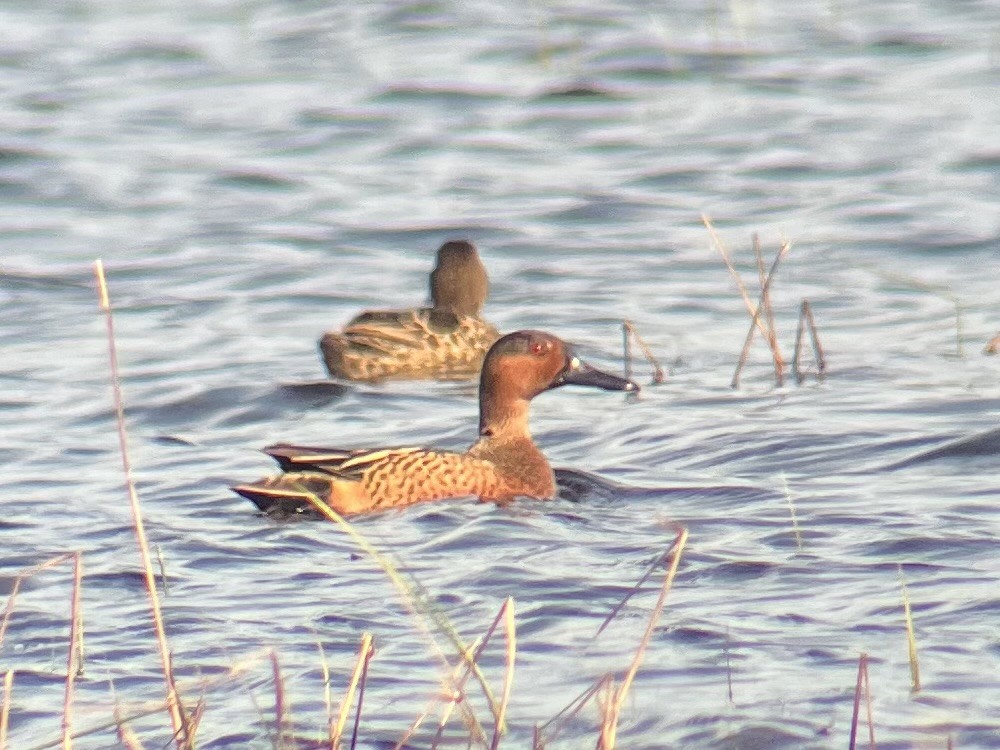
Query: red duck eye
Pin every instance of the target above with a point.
(538, 347)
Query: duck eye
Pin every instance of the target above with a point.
(539, 347)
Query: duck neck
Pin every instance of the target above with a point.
(503, 421)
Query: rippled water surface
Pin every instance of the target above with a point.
(253, 173)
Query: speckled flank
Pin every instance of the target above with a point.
(409, 344)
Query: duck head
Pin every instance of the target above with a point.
(523, 364)
(459, 282)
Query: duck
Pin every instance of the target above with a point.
(502, 464)
(446, 341)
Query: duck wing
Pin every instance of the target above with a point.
(341, 463)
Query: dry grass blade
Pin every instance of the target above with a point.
(911, 639)
(609, 728)
(729, 670)
(178, 718)
(510, 628)
(8, 689)
(345, 706)
(630, 332)
(282, 722)
(16, 587)
(755, 324)
(419, 605)
(74, 664)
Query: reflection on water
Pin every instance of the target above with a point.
(253, 175)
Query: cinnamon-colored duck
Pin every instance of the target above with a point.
(502, 464)
(446, 341)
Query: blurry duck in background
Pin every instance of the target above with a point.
(502, 464)
(446, 341)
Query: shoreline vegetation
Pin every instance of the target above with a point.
(461, 677)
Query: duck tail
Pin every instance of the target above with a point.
(286, 494)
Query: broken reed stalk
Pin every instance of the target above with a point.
(178, 718)
(281, 721)
(654, 566)
(779, 364)
(345, 705)
(609, 727)
(629, 332)
(911, 639)
(772, 331)
(863, 683)
(8, 689)
(74, 659)
(806, 319)
(361, 696)
(717, 241)
(26, 573)
(418, 605)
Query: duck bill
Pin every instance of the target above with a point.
(578, 372)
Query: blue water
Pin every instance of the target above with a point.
(255, 173)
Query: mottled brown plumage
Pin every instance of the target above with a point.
(502, 464)
(446, 341)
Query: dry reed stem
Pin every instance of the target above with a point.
(911, 639)
(629, 331)
(779, 363)
(571, 710)
(654, 566)
(863, 683)
(345, 705)
(510, 628)
(281, 710)
(609, 727)
(361, 697)
(177, 714)
(806, 319)
(73, 657)
(26, 573)
(419, 607)
(150, 708)
(454, 679)
(8, 689)
(717, 241)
